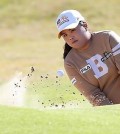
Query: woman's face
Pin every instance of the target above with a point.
(77, 38)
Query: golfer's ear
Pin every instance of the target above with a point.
(84, 24)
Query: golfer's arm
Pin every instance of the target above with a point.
(97, 98)
(93, 94)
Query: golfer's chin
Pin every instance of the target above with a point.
(81, 46)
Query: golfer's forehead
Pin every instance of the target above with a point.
(69, 30)
(65, 31)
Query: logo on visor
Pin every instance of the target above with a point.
(62, 20)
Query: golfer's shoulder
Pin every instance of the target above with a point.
(103, 33)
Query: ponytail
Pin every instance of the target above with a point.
(67, 49)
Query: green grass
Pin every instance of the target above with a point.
(28, 37)
(88, 121)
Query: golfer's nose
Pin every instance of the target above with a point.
(71, 38)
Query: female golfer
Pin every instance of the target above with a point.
(91, 59)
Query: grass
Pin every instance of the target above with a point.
(28, 37)
(90, 120)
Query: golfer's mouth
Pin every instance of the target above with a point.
(74, 41)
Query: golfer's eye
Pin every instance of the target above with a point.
(64, 35)
(72, 30)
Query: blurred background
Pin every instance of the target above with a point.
(28, 36)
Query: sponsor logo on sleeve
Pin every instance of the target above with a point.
(73, 81)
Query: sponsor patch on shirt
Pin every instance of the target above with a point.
(106, 56)
(73, 81)
(85, 69)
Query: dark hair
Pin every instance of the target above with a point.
(67, 49)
